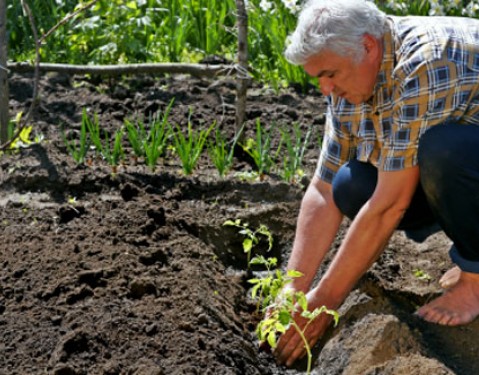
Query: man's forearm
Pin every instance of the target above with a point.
(364, 242)
(318, 223)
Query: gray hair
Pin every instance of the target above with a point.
(334, 25)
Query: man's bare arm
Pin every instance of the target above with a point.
(318, 223)
(364, 242)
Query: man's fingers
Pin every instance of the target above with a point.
(298, 352)
(287, 344)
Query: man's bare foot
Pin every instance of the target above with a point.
(450, 278)
(458, 305)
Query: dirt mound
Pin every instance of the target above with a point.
(134, 272)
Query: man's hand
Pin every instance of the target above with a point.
(290, 345)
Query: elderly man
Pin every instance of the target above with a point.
(400, 150)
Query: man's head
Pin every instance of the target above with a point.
(339, 41)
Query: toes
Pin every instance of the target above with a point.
(444, 319)
(432, 315)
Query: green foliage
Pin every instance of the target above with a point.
(150, 144)
(421, 274)
(251, 237)
(109, 149)
(459, 8)
(295, 146)
(190, 146)
(221, 152)
(260, 148)
(280, 303)
(129, 31)
(78, 149)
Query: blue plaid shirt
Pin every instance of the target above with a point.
(429, 75)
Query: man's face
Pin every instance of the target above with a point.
(345, 78)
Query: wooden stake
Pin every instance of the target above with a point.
(4, 93)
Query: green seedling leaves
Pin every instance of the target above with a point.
(280, 304)
(251, 238)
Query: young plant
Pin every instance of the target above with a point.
(136, 135)
(23, 139)
(259, 148)
(113, 154)
(157, 140)
(221, 153)
(150, 144)
(93, 127)
(295, 148)
(78, 149)
(280, 304)
(421, 274)
(251, 237)
(190, 146)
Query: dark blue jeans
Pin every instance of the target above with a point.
(448, 193)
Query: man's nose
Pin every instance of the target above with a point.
(326, 85)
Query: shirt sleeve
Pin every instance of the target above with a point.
(337, 147)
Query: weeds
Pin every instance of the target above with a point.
(115, 31)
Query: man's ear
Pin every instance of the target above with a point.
(371, 45)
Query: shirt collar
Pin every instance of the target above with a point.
(384, 77)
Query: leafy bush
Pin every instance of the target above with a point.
(130, 31)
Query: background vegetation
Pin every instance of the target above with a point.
(123, 31)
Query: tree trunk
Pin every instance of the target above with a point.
(4, 116)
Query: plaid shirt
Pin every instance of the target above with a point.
(429, 75)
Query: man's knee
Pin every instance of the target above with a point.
(353, 185)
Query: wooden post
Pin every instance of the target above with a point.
(4, 93)
(242, 67)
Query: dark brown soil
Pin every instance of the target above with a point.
(134, 272)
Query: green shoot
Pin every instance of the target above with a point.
(421, 274)
(113, 155)
(251, 237)
(295, 147)
(78, 149)
(260, 149)
(93, 126)
(281, 303)
(136, 136)
(189, 147)
(150, 144)
(157, 140)
(220, 153)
